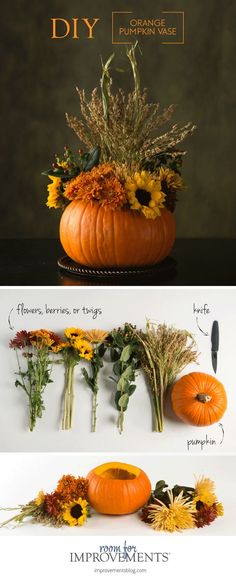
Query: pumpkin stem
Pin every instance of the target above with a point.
(203, 398)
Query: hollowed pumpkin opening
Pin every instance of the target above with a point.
(117, 473)
(117, 470)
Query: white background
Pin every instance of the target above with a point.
(23, 475)
(173, 306)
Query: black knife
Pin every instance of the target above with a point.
(214, 344)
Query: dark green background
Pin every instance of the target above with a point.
(38, 86)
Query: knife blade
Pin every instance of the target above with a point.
(214, 344)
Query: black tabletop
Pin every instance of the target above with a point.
(193, 262)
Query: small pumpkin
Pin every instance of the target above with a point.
(98, 236)
(199, 399)
(118, 488)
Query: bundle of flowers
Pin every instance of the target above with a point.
(67, 504)
(162, 352)
(128, 164)
(181, 508)
(37, 347)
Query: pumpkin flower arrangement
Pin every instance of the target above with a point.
(119, 194)
(181, 508)
(118, 489)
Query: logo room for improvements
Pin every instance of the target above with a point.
(119, 554)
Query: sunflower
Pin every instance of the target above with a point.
(73, 333)
(84, 348)
(96, 336)
(144, 194)
(55, 192)
(219, 509)
(75, 513)
(205, 491)
(170, 180)
(60, 346)
(39, 500)
(177, 516)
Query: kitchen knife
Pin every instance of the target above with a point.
(214, 344)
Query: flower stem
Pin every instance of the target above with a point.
(94, 411)
(69, 396)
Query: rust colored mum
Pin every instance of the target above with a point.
(100, 184)
(52, 504)
(205, 514)
(21, 340)
(42, 337)
(70, 487)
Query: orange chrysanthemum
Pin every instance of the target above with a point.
(42, 337)
(71, 488)
(100, 184)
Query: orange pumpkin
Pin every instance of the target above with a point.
(96, 236)
(118, 488)
(199, 399)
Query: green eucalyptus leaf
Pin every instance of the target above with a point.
(128, 373)
(114, 355)
(117, 368)
(126, 353)
(131, 389)
(123, 401)
(101, 349)
(117, 398)
(118, 339)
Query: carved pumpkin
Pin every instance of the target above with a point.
(100, 237)
(199, 399)
(118, 488)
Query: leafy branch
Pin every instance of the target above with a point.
(125, 354)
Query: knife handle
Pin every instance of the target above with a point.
(215, 336)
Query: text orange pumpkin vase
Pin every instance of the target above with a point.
(199, 399)
(118, 488)
(99, 237)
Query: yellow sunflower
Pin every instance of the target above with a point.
(170, 180)
(75, 513)
(205, 491)
(179, 515)
(73, 333)
(54, 190)
(219, 509)
(95, 336)
(60, 346)
(144, 194)
(40, 498)
(84, 348)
